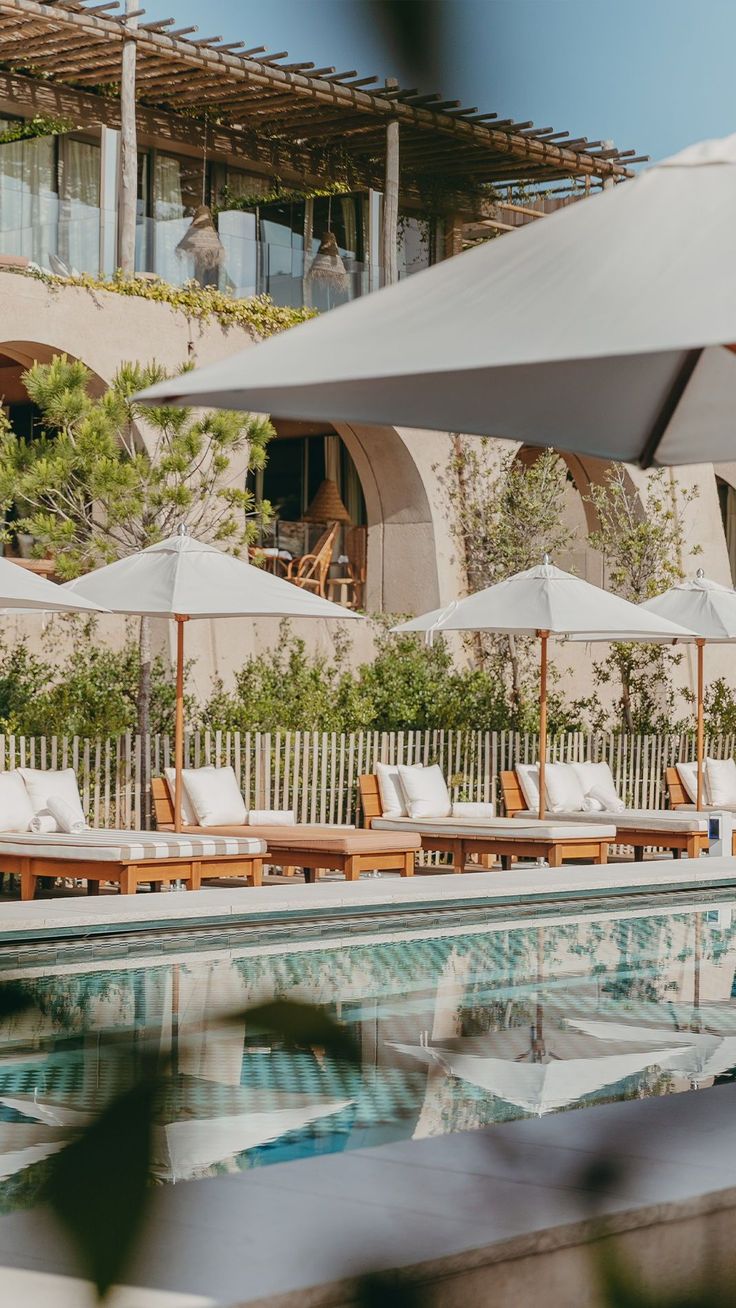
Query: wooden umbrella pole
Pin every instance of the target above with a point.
(179, 720)
(543, 636)
(699, 730)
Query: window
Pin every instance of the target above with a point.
(727, 502)
(296, 468)
(50, 200)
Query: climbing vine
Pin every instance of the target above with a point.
(27, 129)
(257, 314)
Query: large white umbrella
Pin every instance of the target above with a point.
(708, 609)
(544, 602)
(183, 578)
(542, 1084)
(606, 328)
(704, 1053)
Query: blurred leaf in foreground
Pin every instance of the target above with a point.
(99, 1184)
(303, 1025)
(13, 999)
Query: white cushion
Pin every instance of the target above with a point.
(188, 815)
(65, 816)
(425, 791)
(528, 774)
(16, 809)
(43, 824)
(565, 793)
(720, 775)
(271, 817)
(42, 783)
(688, 774)
(468, 810)
(598, 778)
(598, 800)
(215, 796)
(393, 800)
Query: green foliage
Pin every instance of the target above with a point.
(258, 314)
(228, 200)
(642, 540)
(27, 129)
(92, 693)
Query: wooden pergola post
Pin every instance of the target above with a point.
(390, 223)
(128, 147)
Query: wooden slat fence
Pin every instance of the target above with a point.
(315, 773)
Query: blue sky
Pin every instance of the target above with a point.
(653, 74)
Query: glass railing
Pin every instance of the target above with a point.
(63, 245)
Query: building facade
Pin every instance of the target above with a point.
(294, 177)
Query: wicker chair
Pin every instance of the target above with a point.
(310, 571)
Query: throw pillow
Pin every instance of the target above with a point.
(393, 800)
(565, 794)
(16, 809)
(40, 783)
(215, 796)
(425, 791)
(720, 775)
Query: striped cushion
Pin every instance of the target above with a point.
(125, 846)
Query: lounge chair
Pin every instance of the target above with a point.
(680, 800)
(491, 836)
(642, 829)
(311, 847)
(129, 858)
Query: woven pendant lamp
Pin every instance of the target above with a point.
(327, 265)
(202, 242)
(327, 505)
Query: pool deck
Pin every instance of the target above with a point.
(480, 1217)
(75, 916)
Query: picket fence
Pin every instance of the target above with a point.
(316, 773)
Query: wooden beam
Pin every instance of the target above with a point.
(128, 150)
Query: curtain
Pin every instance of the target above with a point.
(79, 217)
(350, 488)
(169, 222)
(29, 204)
(730, 529)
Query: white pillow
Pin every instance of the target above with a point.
(393, 800)
(565, 793)
(688, 774)
(425, 791)
(41, 784)
(528, 774)
(65, 816)
(188, 815)
(271, 817)
(598, 800)
(16, 809)
(597, 782)
(721, 782)
(215, 796)
(469, 810)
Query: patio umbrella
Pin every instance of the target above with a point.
(547, 602)
(705, 1053)
(708, 609)
(22, 589)
(183, 578)
(540, 1083)
(606, 328)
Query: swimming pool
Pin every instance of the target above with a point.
(461, 1022)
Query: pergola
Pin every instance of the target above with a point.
(310, 115)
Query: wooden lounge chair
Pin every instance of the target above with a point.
(129, 858)
(640, 828)
(500, 837)
(311, 847)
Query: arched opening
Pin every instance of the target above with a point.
(319, 509)
(727, 505)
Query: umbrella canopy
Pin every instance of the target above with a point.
(705, 1053)
(545, 601)
(22, 589)
(708, 609)
(533, 338)
(182, 578)
(544, 1085)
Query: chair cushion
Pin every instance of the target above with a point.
(720, 780)
(426, 791)
(688, 774)
(16, 809)
(271, 817)
(469, 810)
(393, 799)
(565, 792)
(41, 783)
(340, 841)
(215, 796)
(502, 828)
(126, 846)
(639, 819)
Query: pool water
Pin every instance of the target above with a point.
(459, 1025)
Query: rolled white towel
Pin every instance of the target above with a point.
(64, 816)
(271, 817)
(43, 823)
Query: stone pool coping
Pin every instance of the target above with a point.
(79, 916)
(472, 1218)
